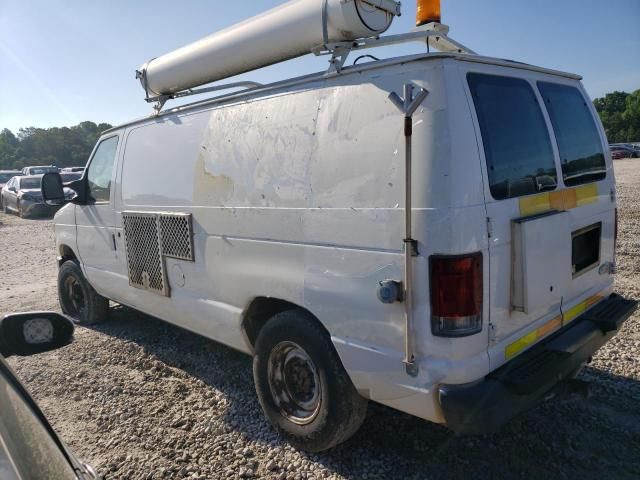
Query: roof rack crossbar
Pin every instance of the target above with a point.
(160, 100)
(433, 34)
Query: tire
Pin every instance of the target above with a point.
(302, 386)
(77, 297)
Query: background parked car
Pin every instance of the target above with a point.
(631, 151)
(23, 196)
(5, 176)
(72, 169)
(39, 170)
(618, 154)
(70, 176)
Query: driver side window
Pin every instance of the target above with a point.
(101, 169)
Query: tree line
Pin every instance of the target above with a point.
(60, 146)
(620, 115)
(71, 146)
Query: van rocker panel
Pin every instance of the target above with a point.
(484, 406)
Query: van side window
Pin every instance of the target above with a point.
(581, 152)
(101, 169)
(516, 141)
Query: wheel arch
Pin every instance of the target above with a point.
(65, 252)
(262, 309)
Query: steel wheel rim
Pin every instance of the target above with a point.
(75, 296)
(294, 383)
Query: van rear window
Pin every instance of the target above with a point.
(581, 152)
(516, 141)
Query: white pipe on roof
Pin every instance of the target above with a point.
(287, 31)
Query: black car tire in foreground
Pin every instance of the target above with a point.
(77, 297)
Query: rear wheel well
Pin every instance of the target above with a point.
(66, 253)
(261, 310)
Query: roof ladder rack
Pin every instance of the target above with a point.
(160, 100)
(433, 34)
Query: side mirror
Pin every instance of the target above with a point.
(30, 333)
(52, 189)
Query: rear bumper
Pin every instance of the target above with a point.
(484, 406)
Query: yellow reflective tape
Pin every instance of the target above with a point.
(530, 338)
(574, 311)
(586, 194)
(533, 204)
(520, 344)
(558, 200)
(580, 308)
(569, 196)
(554, 324)
(549, 327)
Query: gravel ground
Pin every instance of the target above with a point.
(141, 399)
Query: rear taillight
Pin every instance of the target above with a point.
(456, 295)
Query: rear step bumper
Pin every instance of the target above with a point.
(483, 406)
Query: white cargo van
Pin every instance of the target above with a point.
(273, 221)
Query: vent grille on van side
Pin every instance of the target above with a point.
(176, 235)
(144, 261)
(149, 237)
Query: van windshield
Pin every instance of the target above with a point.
(516, 141)
(581, 151)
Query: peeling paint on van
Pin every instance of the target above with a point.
(264, 149)
(208, 188)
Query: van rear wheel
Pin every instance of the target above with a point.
(301, 384)
(77, 297)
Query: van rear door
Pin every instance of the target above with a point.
(549, 215)
(589, 195)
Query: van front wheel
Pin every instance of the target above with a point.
(301, 384)
(77, 297)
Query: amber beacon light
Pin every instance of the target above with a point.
(427, 11)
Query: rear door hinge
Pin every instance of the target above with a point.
(489, 227)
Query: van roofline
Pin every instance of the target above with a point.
(345, 71)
